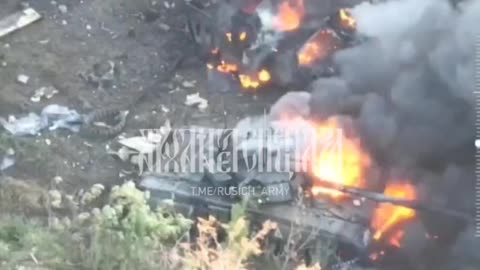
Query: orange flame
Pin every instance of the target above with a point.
(290, 15)
(396, 239)
(243, 36)
(346, 167)
(344, 163)
(387, 215)
(253, 82)
(318, 47)
(224, 67)
(346, 19)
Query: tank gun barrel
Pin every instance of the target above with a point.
(412, 204)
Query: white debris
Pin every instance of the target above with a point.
(63, 9)
(165, 27)
(18, 20)
(164, 108)
(52, 117)
(57, 180)
(158, 136)
(47, 92)
(168, 5)
(123, 153)
(31, 124)
(23, 79)
(196, 100)
(189, 84)
(10, 152)
(140, 144)
(8, 160)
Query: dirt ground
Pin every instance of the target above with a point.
(142, 38)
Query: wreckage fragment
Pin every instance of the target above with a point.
(261, 48)
(18, 20)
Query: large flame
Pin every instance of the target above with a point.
(290, 15)
(387, 215)
(253, 81)
(321, 45)
(345, 167)
(337, 160)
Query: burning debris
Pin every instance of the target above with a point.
(383, 122)
(413, 91)
(289, 15)
(250, 42)
(321, 45)
(386, 216)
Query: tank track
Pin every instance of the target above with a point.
(90, 130)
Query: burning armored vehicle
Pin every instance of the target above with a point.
(262, 43)
(334, 193)
(308, 177)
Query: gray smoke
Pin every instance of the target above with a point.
(417, 78)
(410, 88)
(410, 92)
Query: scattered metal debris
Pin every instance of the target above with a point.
(8, 160)
(62, 117)
(139, 144)
(18, 20)
(196, 100)
(46, 92)
(63, 9)
(23, 79)
(147, 143)
(189, 84)
(31, 124)
(52, 117)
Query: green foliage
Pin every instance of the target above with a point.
(127, 230)
(21, 240)
(126, 234)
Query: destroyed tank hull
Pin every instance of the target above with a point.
(314, 224)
